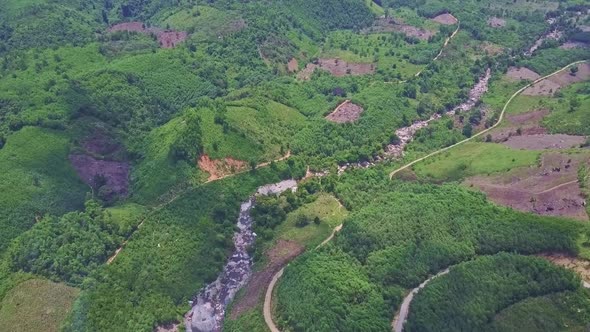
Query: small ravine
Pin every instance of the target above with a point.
(210, 303)
(406, 134)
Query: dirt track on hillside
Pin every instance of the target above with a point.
(267, 309)
(278, 256)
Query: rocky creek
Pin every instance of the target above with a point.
(210, 303)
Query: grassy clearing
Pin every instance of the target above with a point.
(203, 21)
(36, 305)
(126, 216)
(523, 104)
(411, 17)
(375, 8)
(500, 90)
(474, 158)
(325, 207)
(306, 46)
(298, 225)
(251, 321)
(269, 125)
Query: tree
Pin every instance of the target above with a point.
(467, 130)
(574, 70)
(317, 220)
(410, 91)
(301, 220)
(188, 144)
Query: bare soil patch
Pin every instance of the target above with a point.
(339, 67)
(571, 45)
(396, 25)
(578, 265)
(528, 118)
(551, 189)
(293, 65)
(565, 78)
(218, 168)
(542, 141)
(504, 134)
(345, 112)
(446, 19)
(169, 39)
(496, 22)
(114, 174)
(305, 73)
(100, 143)
(528, 123)
(543, 88)
(166, 38)
(278, 256)
(549, 86)
(522, 73)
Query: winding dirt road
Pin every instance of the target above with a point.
(557, 259)
(404, 309)
(444, 45)
(392, 174)
(267, 309)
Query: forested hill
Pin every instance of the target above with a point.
(330, 14)
(132, 131)
(42, 24)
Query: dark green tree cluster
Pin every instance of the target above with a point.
(328, 291)
(67, 248)
(332, 14)
(470, 296)
(188, 145)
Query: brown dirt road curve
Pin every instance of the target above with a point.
(400, 318)
(268, 296)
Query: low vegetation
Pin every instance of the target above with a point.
(473, 159)
(37, 304)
